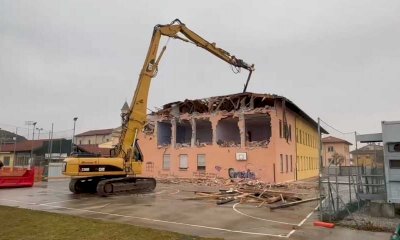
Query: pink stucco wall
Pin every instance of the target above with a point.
(262, 162)
(284, 147)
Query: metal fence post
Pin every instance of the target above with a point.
(320, 172)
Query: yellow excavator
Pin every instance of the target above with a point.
(117, 174)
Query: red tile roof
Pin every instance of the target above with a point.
(331, 139)
(96, 132)
(94, 148)
(23, 146)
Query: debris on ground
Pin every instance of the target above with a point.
(249, 191)
(264, 197)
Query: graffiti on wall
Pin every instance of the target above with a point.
(241, 174)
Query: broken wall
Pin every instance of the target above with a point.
(164, 133)
(257, 129)
(204, 131)
(228, 132)
(183, 132)
(232, 125)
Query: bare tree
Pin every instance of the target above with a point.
(337, 159)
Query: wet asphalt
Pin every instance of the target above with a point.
(164, 209)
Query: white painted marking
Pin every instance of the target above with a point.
(177, 191)
(262, 219)
(101, 206)
(57, 191)
(69, 200)
(290, 233)
(159, 192)
(10, 200)
(304, 220)
(179, 223)
(169, 222)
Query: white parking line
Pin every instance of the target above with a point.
(262, 219)
(179, 223)
(177, 191)
(69, 200)
(268, 220)
(57, 191)
(10, 200)
(168, 222)
(305, 219)
(159, 192)
(152, 219)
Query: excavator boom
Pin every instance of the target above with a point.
(112, 175)
(136, 118)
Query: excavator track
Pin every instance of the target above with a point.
(112, 186)
(85, 185)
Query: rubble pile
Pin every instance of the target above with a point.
(256, 192)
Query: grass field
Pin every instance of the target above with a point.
(27, 224)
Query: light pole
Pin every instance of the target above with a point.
(33, 132)
(1, 139)
(33, 138)
(39, 129)
(73, 135)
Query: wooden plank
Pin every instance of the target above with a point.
(260, 205)
(202, 197)
(293, 203)
(273, 199)
(284, 193)
(223, 201)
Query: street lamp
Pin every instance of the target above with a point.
(33, 138)
(39, 129)
(73, 135)
(33, 133)
(1, 139)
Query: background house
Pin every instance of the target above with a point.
(98, 142)
(95, 137)
(370, 155)
(331, 145)
(18, 154)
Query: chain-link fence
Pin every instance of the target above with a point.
(44, 168)
(339, 188)
(338, 175)
(351, 175)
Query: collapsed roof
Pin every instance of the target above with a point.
(233, 102)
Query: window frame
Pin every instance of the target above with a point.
(287, 163)
(169, 162)
(202, 167)
(180, 162)
(6, 161)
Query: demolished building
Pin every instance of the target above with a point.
(246, 135)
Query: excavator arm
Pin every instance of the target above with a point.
(109, 175)
(135, 119)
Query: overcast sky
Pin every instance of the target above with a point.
(338, 60)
